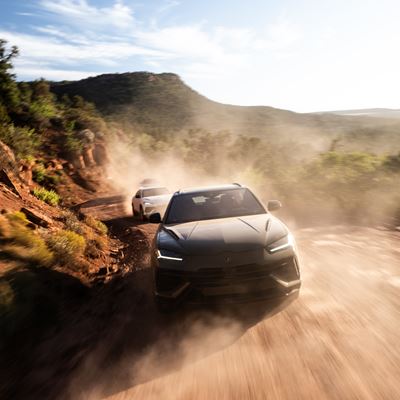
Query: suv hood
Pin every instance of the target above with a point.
(234, 234)
(160, 199)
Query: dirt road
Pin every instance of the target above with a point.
(339, 340)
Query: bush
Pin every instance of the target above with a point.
(43, 177)
(48, 196)
(96, 225)
(72, 223)
(39, 173)
(22, 243)
(67, 245)
(24, 141)
(18, 216)
(42, 110)
(4, 117)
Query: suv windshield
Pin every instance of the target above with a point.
(213, 204)
(154, 192)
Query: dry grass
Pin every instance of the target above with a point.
(73, 224)
(67, 246)
(20, 242)
(96, 225)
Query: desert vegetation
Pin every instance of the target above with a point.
(48, 196)
(325, 170)
(34, 122)
(153, 116)
(332, 186)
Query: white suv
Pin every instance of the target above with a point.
(149, 200)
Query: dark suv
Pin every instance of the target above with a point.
(219, 244)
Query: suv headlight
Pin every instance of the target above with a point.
(168, 255)
(281, 244)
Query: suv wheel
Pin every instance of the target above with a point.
(141, 214)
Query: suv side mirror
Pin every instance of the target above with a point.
(274, 205)
(155, 218)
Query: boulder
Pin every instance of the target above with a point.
(9, 181)
(7, 158)
(36, 217)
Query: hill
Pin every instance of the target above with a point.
(162, 104)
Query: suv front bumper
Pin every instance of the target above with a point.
(230, 284)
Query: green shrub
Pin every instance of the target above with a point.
(48, 196)
(39, 173)
(4, 117)
(67, 245)
(42, 110)
(43, 177)
(96, 225)
(23, 140)
(20, 242)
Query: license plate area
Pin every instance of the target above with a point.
(224, 290)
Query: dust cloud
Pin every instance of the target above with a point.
(339, 340)
(331, 187)
(129, 165)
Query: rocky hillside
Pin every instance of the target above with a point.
(161, 104)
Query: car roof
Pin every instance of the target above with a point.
(151, 187)
(204, 189)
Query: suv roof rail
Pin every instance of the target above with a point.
(237, 184)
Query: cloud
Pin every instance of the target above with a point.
(168, 4)
(26, 14)
(180, 41)
(32, 72)
(84, 37)
(82, 13)
(46, 48)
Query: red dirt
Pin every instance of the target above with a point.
(339, 340)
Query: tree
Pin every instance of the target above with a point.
(9, 93)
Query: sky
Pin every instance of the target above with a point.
(301, 55)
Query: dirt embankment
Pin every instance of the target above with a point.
(339, 340)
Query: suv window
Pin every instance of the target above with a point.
(211, 205)
(154, 192)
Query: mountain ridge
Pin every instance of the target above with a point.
(162, 104)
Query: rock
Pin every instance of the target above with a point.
(54, 165)
(87, 136)
(8, 181)
(100, 154)
(87, 154)
(6, 155)
(26, 173)
(36, 217)
(102, 271)
(9, 191)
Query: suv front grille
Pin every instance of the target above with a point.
(243, 274)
